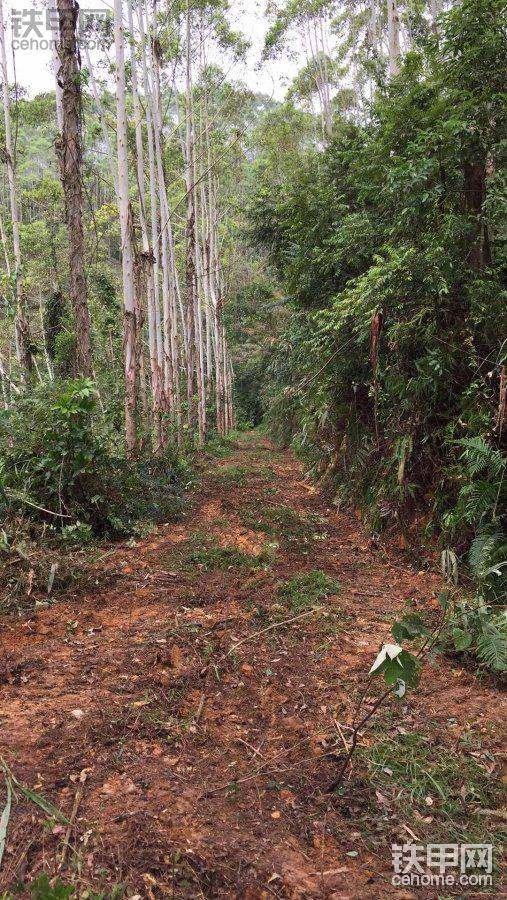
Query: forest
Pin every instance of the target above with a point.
(253, 435)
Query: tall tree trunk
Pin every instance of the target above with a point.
(155, 337)
(22, 330)
(103, 125)
(147, 258)
(129, 311)
(169, 273)
(393, 36)
(190, 272)
(193, 262)
(55, 40)
(70, 156)
(475, 195)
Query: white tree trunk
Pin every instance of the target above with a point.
(147, 255)
(113, 167)
(154, 315)
(129, 311)
(55, 40)
(170, 285)
(393, 37)
(193, 266)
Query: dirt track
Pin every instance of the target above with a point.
(201, 770)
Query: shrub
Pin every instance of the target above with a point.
(59, 464)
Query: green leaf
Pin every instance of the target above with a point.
(409, 627)
(42, 802)
(388, 652)
(404, 667)
(462, 639)
(443, 599)
(41, 889)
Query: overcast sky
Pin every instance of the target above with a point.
(33, 65)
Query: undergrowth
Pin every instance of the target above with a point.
(65, 485)
(441, 787)
(306, 590)
(208, 554)
(61, 468)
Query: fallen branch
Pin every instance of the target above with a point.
(66, 840)
(200, 709)
(20, 498)
(252, 637)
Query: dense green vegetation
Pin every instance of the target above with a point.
(390, 247)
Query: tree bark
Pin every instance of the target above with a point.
(393, 36)
(475, 195)
(190, 270)
(55, 40)
(69, 151)
(129, 310)
(155, 337)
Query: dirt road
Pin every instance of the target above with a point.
(188, 730)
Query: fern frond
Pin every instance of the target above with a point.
(492, 643)
(487, 549)
(480, 457)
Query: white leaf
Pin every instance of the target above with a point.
(401, 688)
(388, 650)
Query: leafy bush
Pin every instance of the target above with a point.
(59, 465)
(479, 624)
(479, 628)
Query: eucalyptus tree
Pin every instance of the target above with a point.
(310, 21)
(393, 33)
(127, 247)
(69, 151)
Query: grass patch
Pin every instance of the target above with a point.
(281, 521)
(231, 476)
(206, 553)
(438, 790)
(265, 471)
(222, 445)
(306, 590)
(203, 552)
